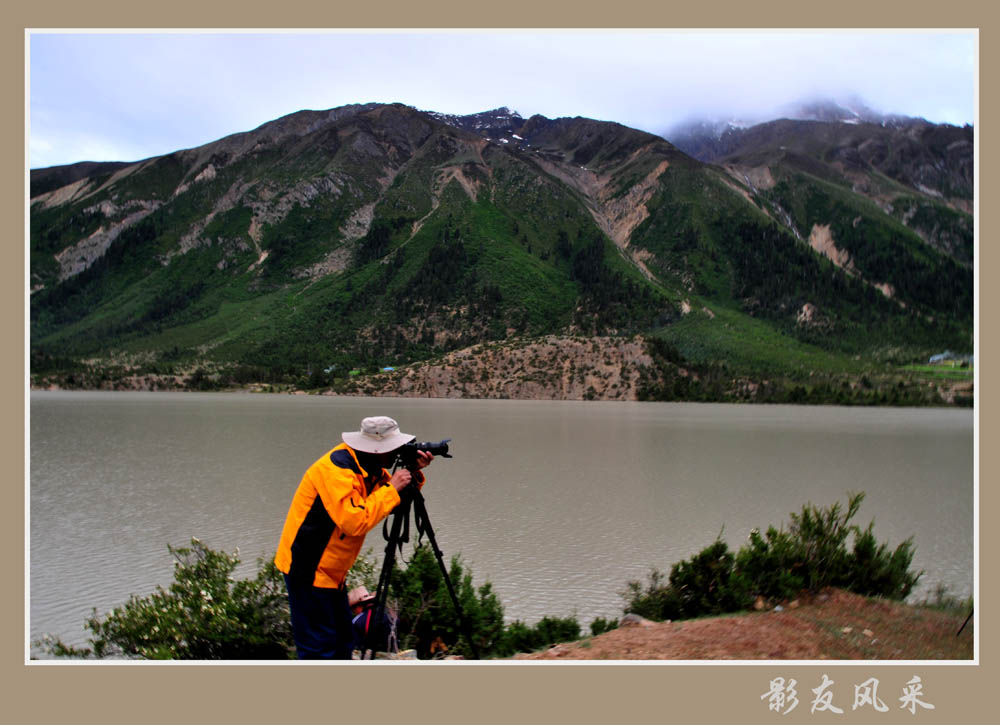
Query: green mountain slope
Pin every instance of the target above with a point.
(379, 235)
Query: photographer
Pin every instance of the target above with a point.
(342, 496)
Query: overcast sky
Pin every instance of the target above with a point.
(129, 96)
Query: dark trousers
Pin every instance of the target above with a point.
(321, 621)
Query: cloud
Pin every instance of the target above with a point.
(150, 94)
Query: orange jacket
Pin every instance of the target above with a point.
(330, 514)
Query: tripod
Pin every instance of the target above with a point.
(399, 534)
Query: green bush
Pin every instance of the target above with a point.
(707, 584)
(602, 625)
(520, 637)
(771, 565)
(429, 623)
(427, 616)
(204, 615)
(557, 629)
(876, 571)
(657, 601)
(811, 555)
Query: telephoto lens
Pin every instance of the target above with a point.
(435, 449)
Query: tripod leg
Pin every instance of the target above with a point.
(420, 515)
(401, 512)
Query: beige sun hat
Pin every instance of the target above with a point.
(379, 434)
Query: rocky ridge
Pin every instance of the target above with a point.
(554, 368)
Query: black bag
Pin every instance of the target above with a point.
(363, 623)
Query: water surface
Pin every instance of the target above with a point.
(558, 504)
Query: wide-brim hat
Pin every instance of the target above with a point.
(378, 434)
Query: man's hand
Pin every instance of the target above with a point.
(402, 477)
(424, 459)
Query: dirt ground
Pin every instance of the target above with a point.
(836, 625)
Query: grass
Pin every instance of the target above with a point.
(750, 344)
(949, 370)
(876, 629)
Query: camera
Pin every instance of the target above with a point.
(407, 456)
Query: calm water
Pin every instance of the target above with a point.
(558, 504)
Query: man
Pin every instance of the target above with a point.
(342, 496)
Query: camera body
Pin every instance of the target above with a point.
(407, 455)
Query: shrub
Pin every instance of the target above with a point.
(557, 629)
(204, 615)
(875, 571)
(427, 616)
(810, 555)
(813, 554)
(657, 601)
(771, 565)
(429, 623)
(520, 637)
(820, 537)
(602, 625)
(707, 584)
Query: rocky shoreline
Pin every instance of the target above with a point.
(547, 368)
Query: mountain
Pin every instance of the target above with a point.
(379, 235)
(920, 174)
(849, 111)
(55, 177)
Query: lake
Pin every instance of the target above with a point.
(557, 504)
